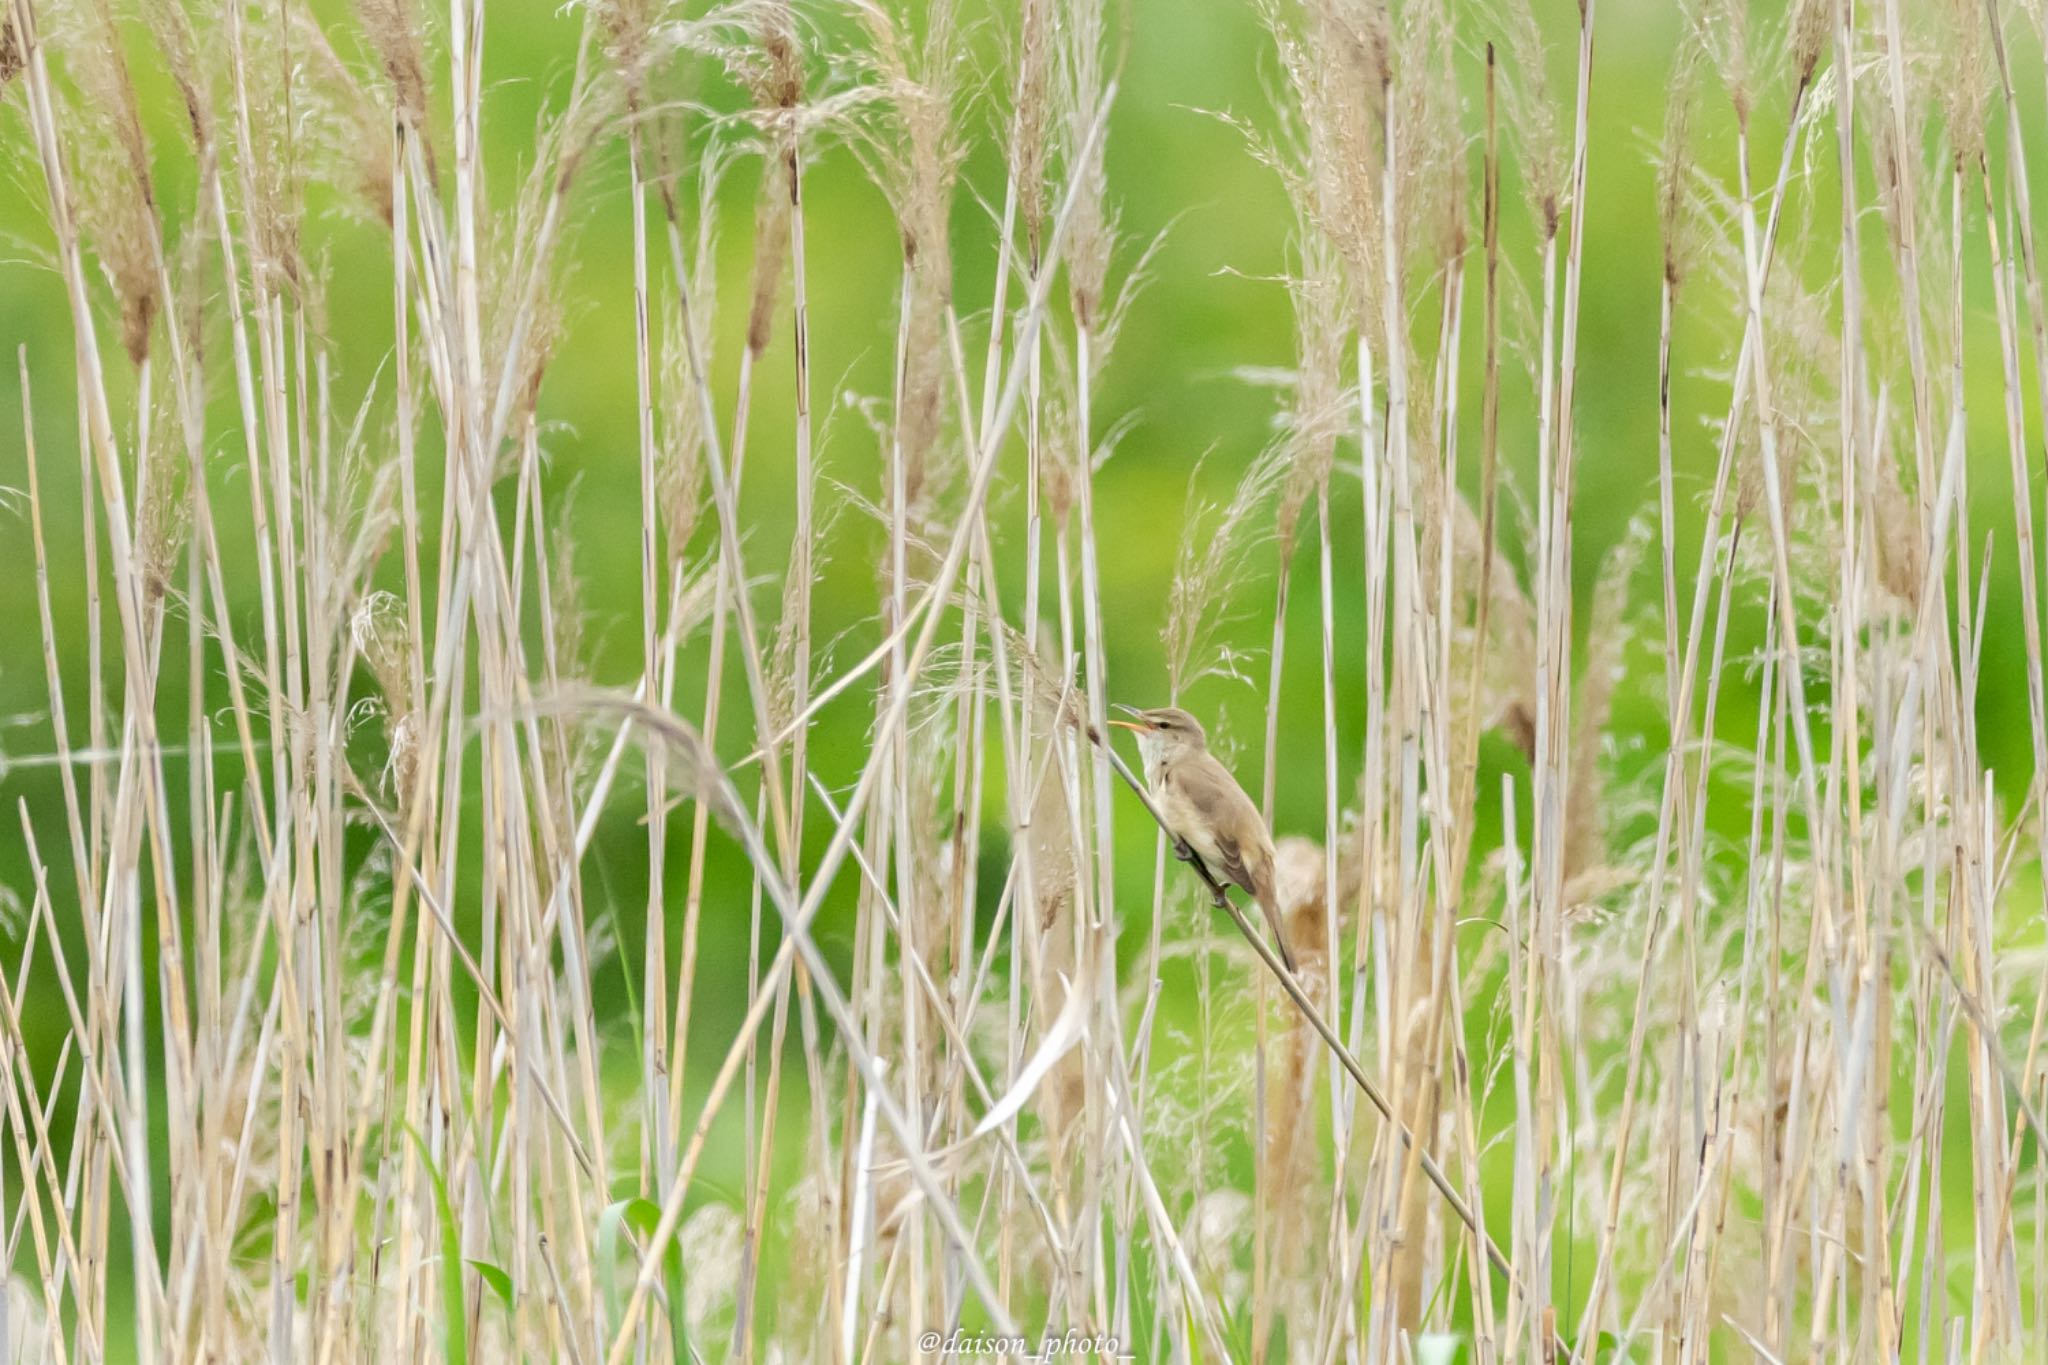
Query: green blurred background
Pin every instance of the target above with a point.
(1210, 310)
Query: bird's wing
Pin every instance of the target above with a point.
(1227, 812)
(1244, 850)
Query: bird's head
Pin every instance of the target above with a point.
(1164, 730)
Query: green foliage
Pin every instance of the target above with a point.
(641, 1217)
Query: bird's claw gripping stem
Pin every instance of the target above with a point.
(1182, 851)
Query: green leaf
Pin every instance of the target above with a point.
(454, 1307)
(643, 1216)
(496, 1278)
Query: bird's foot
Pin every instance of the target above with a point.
(1182, 851)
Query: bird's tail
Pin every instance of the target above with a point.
(1271, 906)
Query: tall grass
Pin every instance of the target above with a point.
(325, 1037)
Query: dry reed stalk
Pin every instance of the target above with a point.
(121, 911)
(939, 589)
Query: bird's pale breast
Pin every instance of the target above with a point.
(1188, 823)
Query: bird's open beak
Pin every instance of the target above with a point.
(1140, 725)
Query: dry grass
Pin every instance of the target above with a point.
(341, 1072)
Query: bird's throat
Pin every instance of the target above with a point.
(1154, 755)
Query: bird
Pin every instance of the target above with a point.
(1203, 808)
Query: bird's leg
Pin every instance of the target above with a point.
(1186, 854)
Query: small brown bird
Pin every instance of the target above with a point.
(1208, 814)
